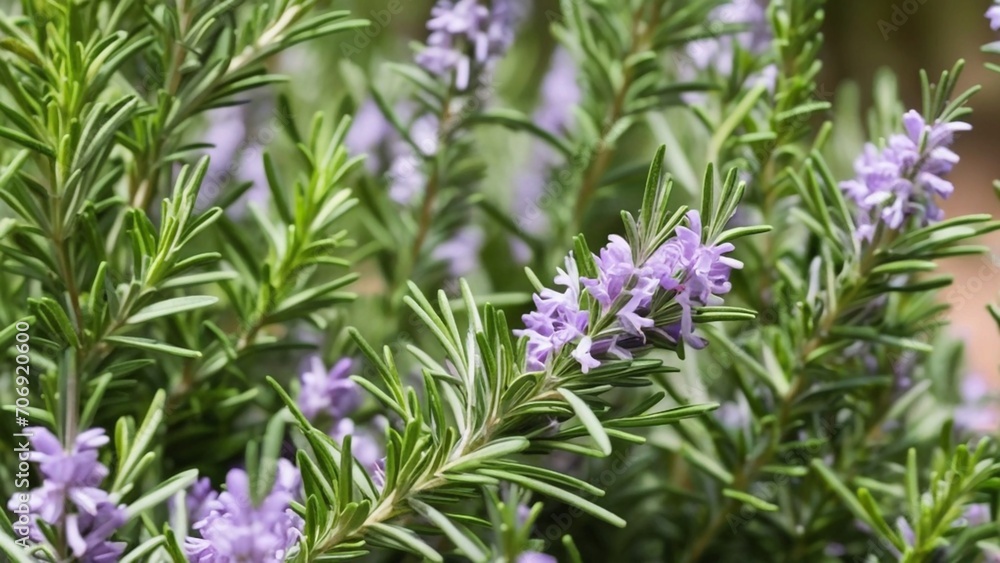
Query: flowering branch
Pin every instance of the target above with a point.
(642, 293)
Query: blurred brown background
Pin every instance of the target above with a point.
(905, 35)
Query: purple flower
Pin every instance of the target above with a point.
(227, 134)
(406, 178)
(328, 392)
(560, 93)
(717, 52)
(406, 175)
(978, 413)
(734, 415)
(582, 354)
(557, 319)
(198, 499)
(693, 274)
(236, 155)
(523, 512)
(975, 515)
(87, 533)
(365, 445)
(909, 537)
(70, 494)
(251, 169)
(835, 549)
(467, 38)
(901, 180)
(993, 14)
(698, 273)
(461, 251)
(237, 530)
(332, 395)
(369, 130)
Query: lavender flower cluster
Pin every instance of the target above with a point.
(688, 272)
(71, 497)
(467, 38)
(717, 53)
(901, 180)
(330, 396)
(231, 527)
(234, 529)
(993, 14)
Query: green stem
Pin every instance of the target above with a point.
(747, 475)
(603, 152)
(394, 504)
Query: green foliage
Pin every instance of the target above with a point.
(818, 425)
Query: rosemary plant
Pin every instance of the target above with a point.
(478, 280)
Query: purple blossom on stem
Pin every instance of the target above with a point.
(365, 445)
(556, 320)
(236, 156)
(909, 537)
(734, 415)
(461, 252)
(227, 134)
(978, 413)
(717, 52)
(699, 273)
(692, 273)
(328, 392)
(835, 549)
(560, 92)
(369, 130)
(198, 499)
(332, 395)
(466, 38)
(406, 175)
(901, 180)
(71, 496)
(993, 14)
(976, 515)
(237, 530)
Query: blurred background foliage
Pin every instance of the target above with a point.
(862, 37)
(330, 75)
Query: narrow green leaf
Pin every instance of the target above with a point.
(172, 307)
(161, 493)
(749, 499)
(589, 420)
(407, 539)
(153, 345)
(464, 541)
(498, 449)
(707, 464)
(517, 121)
(27, 142)
(842, 491)
(559, 494)
(16, 554)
